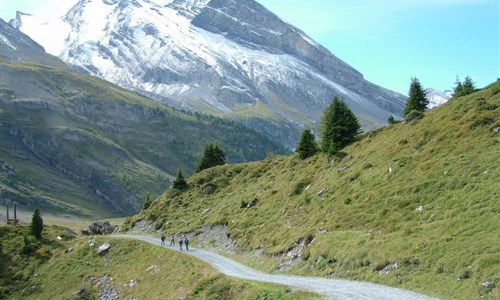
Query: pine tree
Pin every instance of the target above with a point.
(339, 127)
(212, 156)
(468, 86)
(417, 100)
(307, 146)
(458, 90)
(179, 182)
(463, 88)
(391, 120)
(36, 224)
(147, 201)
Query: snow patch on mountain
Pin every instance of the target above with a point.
(6, 41)
(224, 53)
(437, 98)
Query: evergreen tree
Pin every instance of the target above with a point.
(339, 127)
(212, 156)
(468, 85)
(458, 90)
(417, 98)
(307, 146)
(36, 224)
(147, 201)
(179, 182)
(463, 88)
(391, 120)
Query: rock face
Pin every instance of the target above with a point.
(76, 144)
(221, 56)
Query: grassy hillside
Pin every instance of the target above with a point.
(78, 144)
(133, 270)
(431, 225)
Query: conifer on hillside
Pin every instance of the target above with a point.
(179, 182)
(307, 146)
(417, 100)
(463, 88)
(339, 127)
(213, 156)
(36, 224)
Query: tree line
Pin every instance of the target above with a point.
(338, 128)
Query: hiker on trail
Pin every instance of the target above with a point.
(162, 239)
(186, 242)
(172, 239)
(180, 243)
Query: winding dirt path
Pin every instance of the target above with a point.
(330, 288)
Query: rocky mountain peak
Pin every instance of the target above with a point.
(189, 8)
(219, 57)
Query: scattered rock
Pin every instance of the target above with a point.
(388, 269)
(210, 188)
(307, 187)
(205, 211)
(153, 269)
(489, 284)
(293, 253)
(215, 237)
(320, 192)
(131, 283)
(59, 238)
(322, 230)
(101, 228)
(343, 168)
(144, 226)
(69, 250)
(445, 172)
(347, 158)
(250, 204)
(420, 208)
(496, 129)
(103, 248)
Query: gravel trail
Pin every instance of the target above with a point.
(330, 288)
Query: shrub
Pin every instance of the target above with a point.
(30, 244)
(414, 115)
(179, 182)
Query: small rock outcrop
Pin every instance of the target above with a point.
(103, 248)
(100, 228)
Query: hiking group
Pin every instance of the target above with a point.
(182, 240)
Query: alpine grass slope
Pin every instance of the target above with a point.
(430, 224)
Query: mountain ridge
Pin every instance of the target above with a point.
(216, 57)
(77, 144)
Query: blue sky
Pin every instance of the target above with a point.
(389, 41)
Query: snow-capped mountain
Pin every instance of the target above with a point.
(437, 98)
(224, 57)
